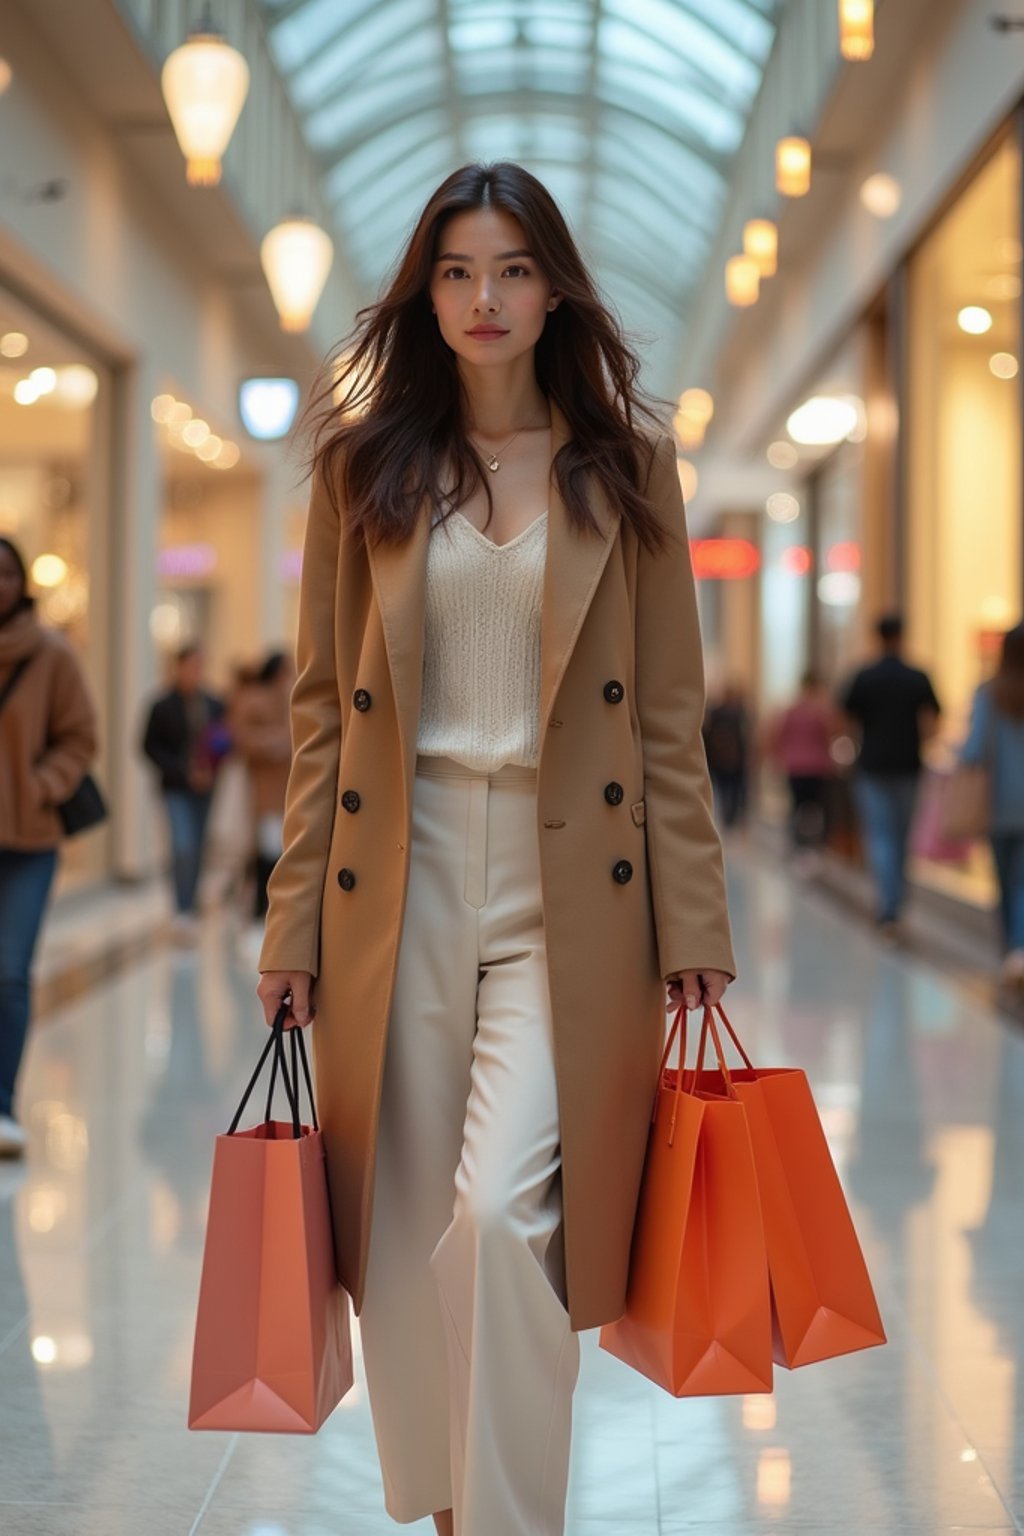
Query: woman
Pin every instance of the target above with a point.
(801, 742)
(996, 740)
(262, 736)
(47, 742)
(498, 846)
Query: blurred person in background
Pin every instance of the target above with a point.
(996, 741)
(893, 708)
(187, 740)
(262, 735)
(47, 743)
(726, 742)
(800, 741)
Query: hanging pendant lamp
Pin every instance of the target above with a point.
(296, 256)
(205, 83)
(761, 244)
(857, 29)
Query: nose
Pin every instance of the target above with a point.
(485, 300)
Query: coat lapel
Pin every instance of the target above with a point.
(398, 572)
(573, 568)
(575, 563)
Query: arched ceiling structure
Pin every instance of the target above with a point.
(629, 110)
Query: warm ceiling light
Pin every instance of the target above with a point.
(782, 507)
(77, 385)
(205, 83)
(857, 29)
(44, 380)
(1004, 365)
(782, 455)
(25, 392)
(209, 448)
(823, 421)
(742, 281)
(881, 195)
(974, 320)
(793, 166)
(161, 407)
(1005, 286)
(178, 414)
(761, 244)
(49, 570)
(195, 432)
(296, 257)
(690, 433)
(6, 75)
(229, 455)
(687, 478)
(13, 344)
(697, 405)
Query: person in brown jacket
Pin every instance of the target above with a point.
(499, 857)
(47, 742)
(261, 730)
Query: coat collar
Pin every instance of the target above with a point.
(573, 568)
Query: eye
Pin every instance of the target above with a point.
(524, 270)
(454, 272)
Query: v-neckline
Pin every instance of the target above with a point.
(509, 544)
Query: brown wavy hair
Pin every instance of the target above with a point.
(388, 408)
(1008, 683)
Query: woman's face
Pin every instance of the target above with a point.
(12, 587)
(490, 295)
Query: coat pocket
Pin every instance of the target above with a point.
(639, 813)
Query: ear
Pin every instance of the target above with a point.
(554, 301)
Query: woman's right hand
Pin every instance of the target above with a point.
(275, 986)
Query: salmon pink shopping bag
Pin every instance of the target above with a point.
(273, 1348)
(698, 1311)
(823, 1302)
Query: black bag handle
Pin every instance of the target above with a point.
(275, 1045)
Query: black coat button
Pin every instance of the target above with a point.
(350, 800)
(361, 699)
(622, 872)
(614, 692)
(346, 879)
(614, 793)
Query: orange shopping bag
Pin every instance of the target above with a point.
(698, 1310)
(823, 1303)
(273, 1349)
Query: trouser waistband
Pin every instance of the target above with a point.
(448, 768)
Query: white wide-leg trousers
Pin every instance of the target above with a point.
(470, 1359)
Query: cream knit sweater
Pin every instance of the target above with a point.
(481, 655)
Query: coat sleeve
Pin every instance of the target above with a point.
(684, 853)
(71, 732)
(292, 941)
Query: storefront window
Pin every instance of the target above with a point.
(964, 551)
(53, 505)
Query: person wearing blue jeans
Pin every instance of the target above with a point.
(893, 707)
(47, 742)
(996, 741)
(186, 739)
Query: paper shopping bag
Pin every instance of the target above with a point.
(698, 1312)
(823, 1301)
(273, 1347)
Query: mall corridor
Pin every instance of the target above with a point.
(922, 1094)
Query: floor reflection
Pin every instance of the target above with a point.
(922, 1095)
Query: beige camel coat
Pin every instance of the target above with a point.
(612, 613)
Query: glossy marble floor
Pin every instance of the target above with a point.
(922, 1093)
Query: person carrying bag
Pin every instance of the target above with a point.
(47, 742)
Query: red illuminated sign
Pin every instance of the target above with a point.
(843, 557)
(723, 559)
(796, 561)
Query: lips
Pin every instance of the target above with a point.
(482, 332)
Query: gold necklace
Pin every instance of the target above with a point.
(493, 461)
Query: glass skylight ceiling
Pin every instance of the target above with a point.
(629, 110)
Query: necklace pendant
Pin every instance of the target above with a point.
(493, 464)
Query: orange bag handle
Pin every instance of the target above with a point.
(733, 1036)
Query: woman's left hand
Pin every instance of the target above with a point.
(697, 989)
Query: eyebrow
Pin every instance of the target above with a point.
(502, 256)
